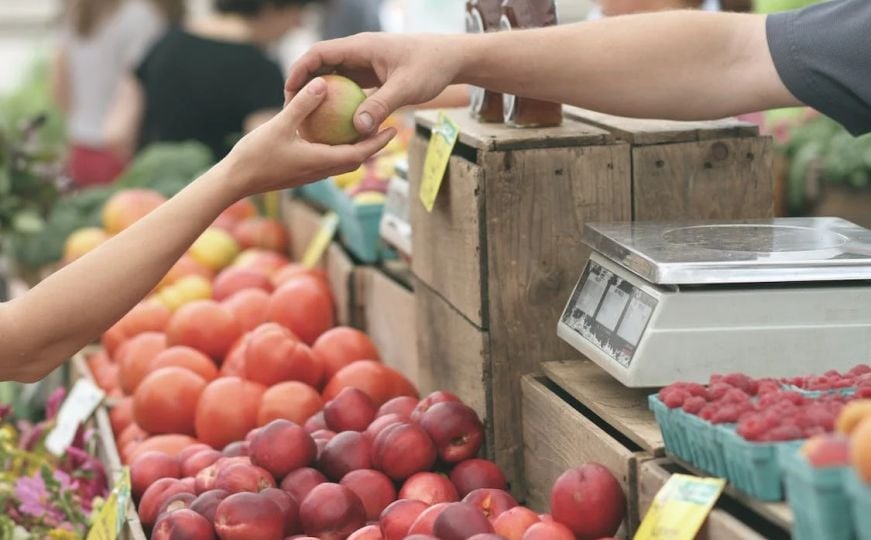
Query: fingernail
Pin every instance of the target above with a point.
(317, 86)
(365, 121)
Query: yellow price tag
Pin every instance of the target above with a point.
(113, 513)
(680, 508)
(318, 246)
(438, 153)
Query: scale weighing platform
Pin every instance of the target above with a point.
(665, 302)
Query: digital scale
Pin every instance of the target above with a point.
(395, 226)
(665, 302)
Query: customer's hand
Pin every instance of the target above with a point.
(405, 69)
(274, 156)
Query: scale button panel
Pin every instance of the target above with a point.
(609, 312)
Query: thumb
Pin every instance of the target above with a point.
(305, 101)
(378, 106)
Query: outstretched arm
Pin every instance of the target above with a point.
(41, 329)
(682, 65)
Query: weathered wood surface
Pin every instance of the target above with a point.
(623, 408)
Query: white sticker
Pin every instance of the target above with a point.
(592, 293)
(634, 322)
(77, 407)
(612, 307)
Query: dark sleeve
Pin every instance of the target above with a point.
(265, 88)
(823, 55)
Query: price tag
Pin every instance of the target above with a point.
(78, 406)
(318, 246)
(680, 508)
(110, 519)
(438, 153)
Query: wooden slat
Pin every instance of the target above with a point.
(302, 222)
(501, 137)
(720, 525)
(453, 352)
(623, 408)
(340, 274)
(557, 437)
(389, 319)
(448, 256)
(717, 179)
(537, 204)
(641, 131)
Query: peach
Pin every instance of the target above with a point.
(421, 537)
(548, 530)
(269, 262)
(473, 474)
(455, 429)
(323, 434)
(374, 489)
(293, 270)
(155, 495)
(274, 355)
(426, 520)
(853, 413)
(205, 479)
(304, 306)
(369, 532)
(215, 249)
(381, 423)
(589, 501)
(289, 507)
(184, 267)
(185, 524)
(860, 449)
(171, 443)
(248, 307)
(227, 410)
(83, 241)
(249, 516)
(166, 400)
(121, 414)
(261, 233)
(431, 488)
(291, 400)
(207, 502)
(340, 346)
(236, 279)
(331, 512)
(401, 450)
(315, 422)
(402, 406)
(333, 121)
(199, 461)
(350, 410)
(827, 451)
(149, 467)
(439, 396)
(135, 357)
(179, 501)
(191, 450)
(112, 339)
(206, 326)
(237, 448)
(491, 502)
(127, 207)
(513, 523)
(347, 451)
(243, 477)
(381, 383)
(300, 482)
(397, 518)
(188, 358)
(459, 521)
(146, 316)
(486, 536)
(281, 447)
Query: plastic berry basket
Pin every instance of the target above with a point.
(705, 445)
(671, 424)
(859, 495)
(817, 496)
(816, 394)
(359, 227)
(752, 467)
(320, 193)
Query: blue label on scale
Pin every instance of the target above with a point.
(609, 312)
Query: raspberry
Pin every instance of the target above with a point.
(864, 392)
(782, 433)
(812, 431)
(694, 404)
(696, 390)
(715, 378)
(674, 398)
(708, 412)
(861, 369)
(742, 381)
(717, 390)
(727, 414)
(735, 395)
(792, 397)
(752, 427)
(767, 386)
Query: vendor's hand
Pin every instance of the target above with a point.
(405, 69)
(274, 156)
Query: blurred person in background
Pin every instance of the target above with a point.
(210, 80)
(343, 18)
(100, 41)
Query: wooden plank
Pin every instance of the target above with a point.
(302, 222)
(389, 319)
(537, 204)
(501, 137)
(453, 353)
(718, 179)
(449, 258)
(340, 272)
(720, 525)
(642, 131)
(623, 408)
(557, 437)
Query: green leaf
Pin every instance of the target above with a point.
(28, 222)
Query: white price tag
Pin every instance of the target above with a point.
(78, 407)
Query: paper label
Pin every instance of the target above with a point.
(78, 407)
(680, 508)
(318, 246)
(438, 154)
(113, 513)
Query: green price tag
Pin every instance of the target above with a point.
(438, 154)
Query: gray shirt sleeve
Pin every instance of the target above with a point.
(823, 55)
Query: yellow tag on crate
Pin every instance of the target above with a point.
(113, 513)
(680, 508)
(438, 153)
(321, 240)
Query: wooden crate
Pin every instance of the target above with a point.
(388, 316)
(303, 222)
(501, 251)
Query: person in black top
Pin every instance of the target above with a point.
(209, 81)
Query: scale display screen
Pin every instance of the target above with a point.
(609, 312)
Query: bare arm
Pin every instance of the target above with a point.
(39, 330)
(681, 65)
(121, 127)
